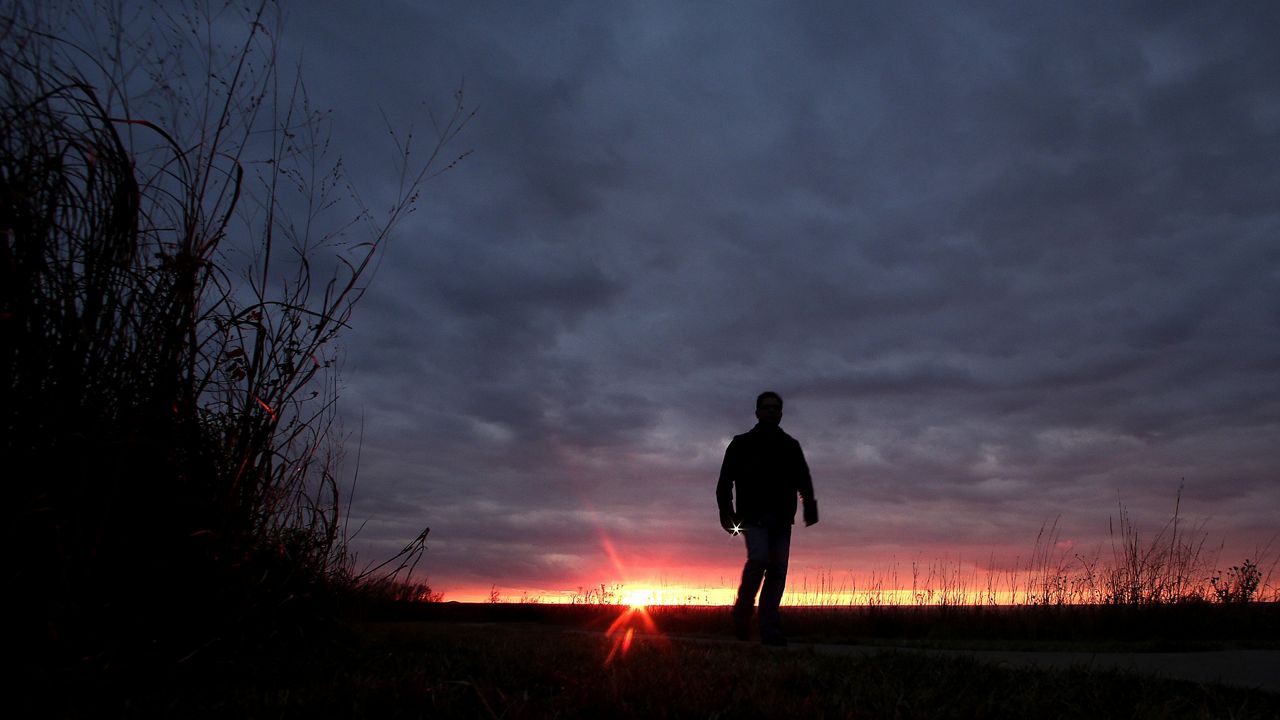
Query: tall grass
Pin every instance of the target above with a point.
(172, 283)
(1173, 564)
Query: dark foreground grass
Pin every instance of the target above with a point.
(1101, 628)
(410, 670)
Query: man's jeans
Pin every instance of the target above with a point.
(768, 548)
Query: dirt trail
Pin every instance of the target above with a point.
(1255, 669)
(1250, 669)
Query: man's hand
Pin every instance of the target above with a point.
(810, 512)
(730, 523)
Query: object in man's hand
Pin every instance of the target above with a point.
(730, 523)
(810, 511)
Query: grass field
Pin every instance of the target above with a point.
(531, 661)
(1187, 626)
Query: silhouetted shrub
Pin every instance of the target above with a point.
(167, 335)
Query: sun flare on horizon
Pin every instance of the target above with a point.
(638, 598)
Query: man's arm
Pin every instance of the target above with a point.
(806, 489)
(724, 490)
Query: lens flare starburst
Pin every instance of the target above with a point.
(634, 617)
(624, 629)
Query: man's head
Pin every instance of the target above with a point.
(769, 408)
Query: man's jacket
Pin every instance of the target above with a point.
(766, 468)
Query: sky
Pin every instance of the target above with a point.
(1014, 268)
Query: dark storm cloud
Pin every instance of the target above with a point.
(1005, 262)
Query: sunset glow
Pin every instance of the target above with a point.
(639, 597)
(645, 598)
(919, 583)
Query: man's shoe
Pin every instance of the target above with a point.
(774, 639)
(742, 630)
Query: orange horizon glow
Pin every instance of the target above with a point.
(667, 578)
(641, 597)
(940, 583)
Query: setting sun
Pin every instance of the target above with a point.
(638, 597)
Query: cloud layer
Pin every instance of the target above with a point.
(1005, 263)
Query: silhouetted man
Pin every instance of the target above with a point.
(768, 470)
